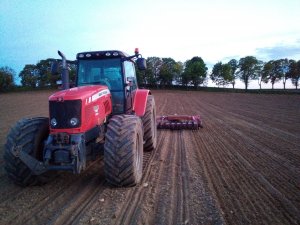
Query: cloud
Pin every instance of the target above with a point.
(291, 51)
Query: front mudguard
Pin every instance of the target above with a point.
(140, 102)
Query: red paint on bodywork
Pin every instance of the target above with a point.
(140, 101)
(96, 106)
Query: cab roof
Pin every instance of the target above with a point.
(102, 54)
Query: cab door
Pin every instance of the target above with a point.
(130, 84)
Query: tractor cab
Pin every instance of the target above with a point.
(113, 69)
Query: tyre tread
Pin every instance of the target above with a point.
(118, 150)
(150, 140)
(24, 134)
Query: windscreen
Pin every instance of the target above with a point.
(105, 71)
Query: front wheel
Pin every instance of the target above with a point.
(28, 134)
(123, 150)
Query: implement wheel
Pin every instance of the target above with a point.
(28, 134)
(123, 150)
(149, 123)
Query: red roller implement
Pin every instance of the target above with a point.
(178, 122)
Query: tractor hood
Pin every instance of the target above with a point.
(85, 93)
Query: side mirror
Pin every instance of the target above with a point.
(129, 81)
(141, 63)
(55, 68)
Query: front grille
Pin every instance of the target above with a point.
(63, 112)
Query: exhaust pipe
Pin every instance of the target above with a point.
(65, 71)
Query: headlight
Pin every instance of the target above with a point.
(53, 122)
(74, 122)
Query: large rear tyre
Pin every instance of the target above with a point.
(123, 150)
(149, 123)
(28, 134)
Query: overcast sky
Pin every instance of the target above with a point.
(31, 30)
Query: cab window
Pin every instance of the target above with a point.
(130, 73)
(106, 72)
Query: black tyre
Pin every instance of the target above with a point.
(149, 123)
(123, 150)
(28, 134)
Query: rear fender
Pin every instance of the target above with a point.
(140, 101)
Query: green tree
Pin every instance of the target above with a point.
(233, 63)
(185, 79)
(227, 74)
(260, 66)
(294, 72)
(43, 68)
(195, 71)
(282, 68)
(216, 74)
(140, 75)
(178, 70)
(29, 76)
(222, 74)
(272, 72)
(248, 69)
(267, 71)
(153, 69)
(39, 74)
(6, 78)
(168, 71)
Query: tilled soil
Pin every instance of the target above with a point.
(243, 167)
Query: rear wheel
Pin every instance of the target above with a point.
(28, 134)
(123, 150)
(149, 123)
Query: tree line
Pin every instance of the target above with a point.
(193, 72)
(250, 68)
(33, 75)
(162, 72)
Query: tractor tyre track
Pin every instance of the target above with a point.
(123, 205)
(132, 209)
(51, 202)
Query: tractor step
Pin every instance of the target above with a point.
(179, 122)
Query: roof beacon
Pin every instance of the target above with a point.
(136, 51)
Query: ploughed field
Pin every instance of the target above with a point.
(243, 167)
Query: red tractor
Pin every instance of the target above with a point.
(104, 112)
